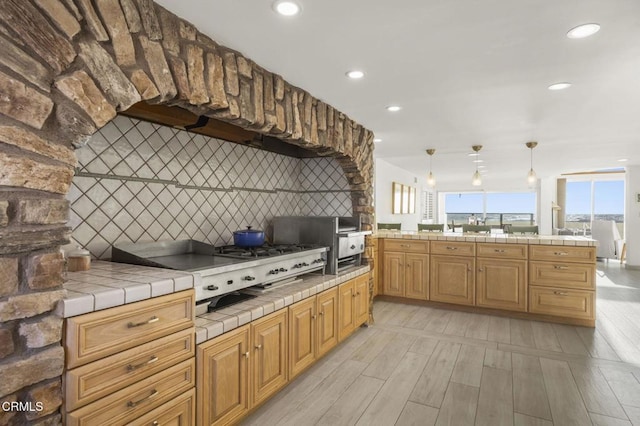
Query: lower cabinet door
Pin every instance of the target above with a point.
(346, 302)
(416, 276)
(501, 284)
(269, 338)
(302, 335)
(223, 366)
(452, 279)
(327, 321)
(393, 272)
(361, 308)
(179, 412)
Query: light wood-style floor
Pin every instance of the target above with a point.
(426, 366)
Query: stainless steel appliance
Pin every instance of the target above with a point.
(342, 235)
(226, 270)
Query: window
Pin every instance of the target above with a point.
(427, 206)
(495, 208)
(590, 200)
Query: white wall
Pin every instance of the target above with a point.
(632, 216)
(385, 175)
(546, 196)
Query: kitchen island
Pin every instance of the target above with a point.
(550, 278)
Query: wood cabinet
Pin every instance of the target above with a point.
(223, 378)
(127, 362)
(302, 335)
(353, 305)
(269, 371)
(179, 412)
(562, 302)
(452, 279)
(327, 331)
(406, 269)
(376, 267)
(501, 276)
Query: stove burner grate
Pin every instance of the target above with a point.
(266, 250)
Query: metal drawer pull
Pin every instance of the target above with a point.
(560, 253)
(561, 293)
(452, 248)
(499, 250)
(149, 321)
(405, 245)
(132, 367)
(132, 404)
(155, 423)
(560, 267)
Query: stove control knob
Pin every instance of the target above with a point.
(305, 264)
(273, 272)
(296, 266)
(353, 246)
(317, 261)
(212, 287)
(249, 278)
(230, 282)
(283, 270)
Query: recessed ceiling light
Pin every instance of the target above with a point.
(478, 161)
(355, 74)
(377, 140)
(622, 160)
(393, 108)
(560, 86)
(582, 31)
(286, 8)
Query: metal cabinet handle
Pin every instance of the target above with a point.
(149, 321)
(480, 270)
(560, 253)
(246, 355)
(499, 250)
(405, 245)
(560, 293)
(452, 248)
(258, 346)
(133, 367)
(155, 423)
(354, 295)
(132, 404)
(321, 313)
(313, 317)
(560, 267)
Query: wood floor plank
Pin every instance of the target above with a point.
(479, 327)
(386, 407)
(521, 333)
(600, 420)
(387, 360)
(495, 403)
(320, 399)
(545, 337)
(342, 353)
(459, 406)
(596, 393)
(624, 385)
(438, 321)
(419, 318)
(596, 343)
(458, 323)
(352, 403)
(495, 358)
(567, 407)
(499, 330)
(402, 314)
(468, 368)
(529, 393)
(372, 347)
(569, 340)
(432, 383)
(424, 345)
(624, 348)
(524, 420)
(415, 414)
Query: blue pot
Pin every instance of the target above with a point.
(248, 238)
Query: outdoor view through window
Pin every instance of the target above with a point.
(515, 208)
(594, 200)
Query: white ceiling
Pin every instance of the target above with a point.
(465, 72)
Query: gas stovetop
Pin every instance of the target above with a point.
(265, 250)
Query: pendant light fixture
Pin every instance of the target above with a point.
(476, 179)
(532, 178)
(431, 180)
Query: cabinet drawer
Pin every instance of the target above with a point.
(93, 336)
(405, 245)
(90, 382)
(179, 412)
(132, 402)
(561, 302)
(453, 248)
(557, 274)
(562, 253)
(502, 251)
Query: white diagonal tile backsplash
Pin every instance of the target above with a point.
(139, 181)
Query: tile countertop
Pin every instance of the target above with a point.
(561, 240)
(210, 325)
(109, 284)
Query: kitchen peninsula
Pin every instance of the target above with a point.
(548, 278)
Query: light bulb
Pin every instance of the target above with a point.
(431, 180)
(476, 180)
(532, 178)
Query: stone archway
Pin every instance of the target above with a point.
(66, 69)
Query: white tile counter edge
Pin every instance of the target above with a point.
(563, 240)
(213, 324)
(109, 284)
